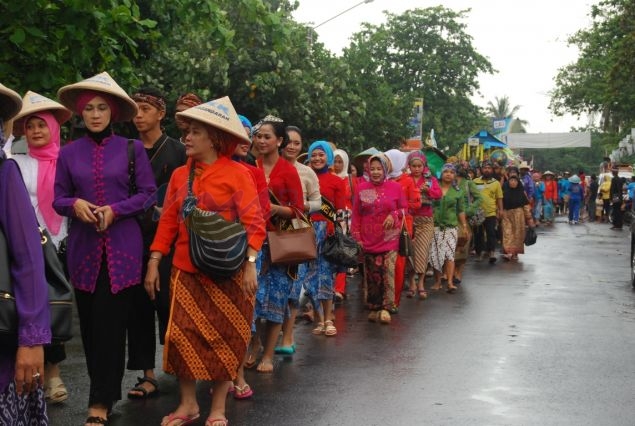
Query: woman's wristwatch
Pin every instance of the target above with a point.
(251, 259)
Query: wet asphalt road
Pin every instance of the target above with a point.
(548, 340)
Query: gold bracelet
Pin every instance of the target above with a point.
(158, 259)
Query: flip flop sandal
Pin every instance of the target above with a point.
(56, 391)
(252, 358)
(244, 392)
(144, 392)
(410, 294)
(216, 422)
(185, 420)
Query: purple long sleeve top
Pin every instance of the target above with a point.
(98, 173)
(18, 223)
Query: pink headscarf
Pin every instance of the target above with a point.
(418, 155)
(46, 157)
(88, 95)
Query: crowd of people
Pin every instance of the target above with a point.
(119, 208)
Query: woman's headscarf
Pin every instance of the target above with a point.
(397, 162)
(324, 146)
(451, 167)
(245, 122)
(383, 160)
(514, 198)
(344, 156)
(88, 95)
(46, 157)
(418, 155)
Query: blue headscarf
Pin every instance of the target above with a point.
(245, 122)
(324, 146)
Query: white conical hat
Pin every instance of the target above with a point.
(10, 103)
(34, 102)
(219, 113)
(99, 83)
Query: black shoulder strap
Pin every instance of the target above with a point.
(328, 210)
(132, 182)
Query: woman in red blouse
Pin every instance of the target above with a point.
(274, 283)
(321, 272)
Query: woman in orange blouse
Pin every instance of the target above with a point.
(210, 322)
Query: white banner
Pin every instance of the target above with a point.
(548, 140)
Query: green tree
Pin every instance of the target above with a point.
(601, 79)
(47, 44)
(424, 53)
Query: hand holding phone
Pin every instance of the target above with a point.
(101, 224)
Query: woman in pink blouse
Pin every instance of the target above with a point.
(378, 210)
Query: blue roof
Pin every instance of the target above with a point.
(489, 140)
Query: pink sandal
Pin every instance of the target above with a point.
(243, 392)
(216, 422)
(185, 420)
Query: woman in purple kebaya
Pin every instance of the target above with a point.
(95, 187)
(22, 363)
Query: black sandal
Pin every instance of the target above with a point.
(144, 392)
(96, 420)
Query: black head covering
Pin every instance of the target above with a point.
(514, 197)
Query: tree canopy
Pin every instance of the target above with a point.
(255, 52)
(425, 53)
(601, 80)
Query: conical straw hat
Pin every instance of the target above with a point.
(362, 157)
(34, 102)
(219, 113)
(10, 103)
(99, 83)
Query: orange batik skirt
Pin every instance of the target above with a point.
(209, 327)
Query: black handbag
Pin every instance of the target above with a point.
(59, 289)
(341, 249)
(217, 246)
(405, 242)
(530, 236)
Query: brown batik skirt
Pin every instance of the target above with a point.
(379, 280)
(209, 327)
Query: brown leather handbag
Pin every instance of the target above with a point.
(295, 243)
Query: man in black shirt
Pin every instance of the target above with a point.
(165, 154)
(617, 185)
(593, 194)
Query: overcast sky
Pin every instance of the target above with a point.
(524, 40)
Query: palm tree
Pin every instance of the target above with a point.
(501, 108)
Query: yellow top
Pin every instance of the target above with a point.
(491, 191)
